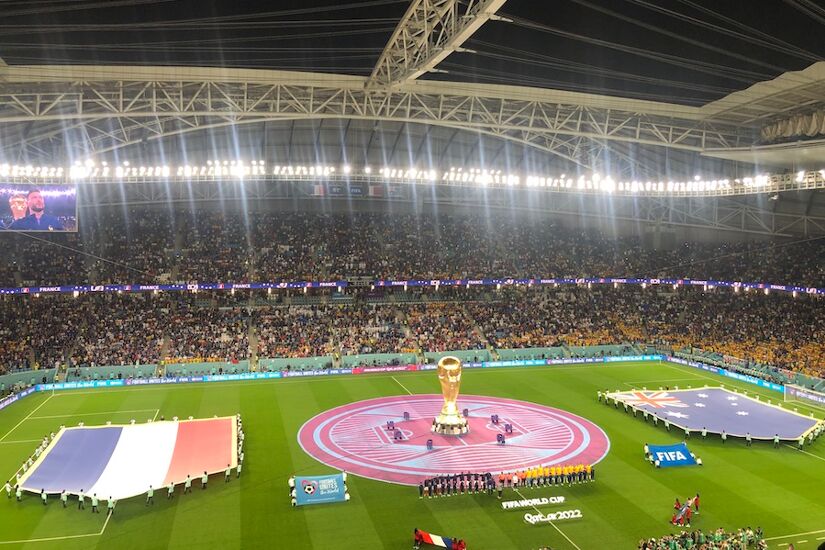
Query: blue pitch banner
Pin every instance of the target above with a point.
(194, 287)
(671, 455)
(320, 489)
(189, 287)
(599, 281)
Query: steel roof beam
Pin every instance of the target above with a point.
(429, 31)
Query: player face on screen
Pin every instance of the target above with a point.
(18, 206)
(36, 203)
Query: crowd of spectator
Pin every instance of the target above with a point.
(213, 247)
(443, 327)
(37, 332)
(125, 248)
(113, 329)
(771, 330)
(121, 330)
(371, 329)
(715, 539)
(142, 245)
(202, 333)
(546, 319)
(152, 245)
(302, 331)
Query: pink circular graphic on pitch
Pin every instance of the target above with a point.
(354, 438)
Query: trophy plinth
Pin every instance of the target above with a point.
(450, 421)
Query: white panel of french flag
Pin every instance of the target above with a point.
(124, 461)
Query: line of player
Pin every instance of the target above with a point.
(538, 476)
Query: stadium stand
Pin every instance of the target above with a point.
(157, 246)
(774, 337)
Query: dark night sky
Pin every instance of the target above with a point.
(549, 44)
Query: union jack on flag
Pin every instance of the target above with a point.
(656, 399)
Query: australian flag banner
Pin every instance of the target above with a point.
(319, 489)
(671, 455)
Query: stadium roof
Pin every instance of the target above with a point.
(680, 51)
(791, 92)
(634, 87)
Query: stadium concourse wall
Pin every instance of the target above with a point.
(110, 372)
(25, 378)
(295, 363)
(531, 353)
(350, 361)
(244, 376)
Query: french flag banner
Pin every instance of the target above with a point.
(436, 540)
(124, 461)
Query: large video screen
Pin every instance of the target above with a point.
(28, 207)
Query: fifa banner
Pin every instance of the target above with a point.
(664, 456)
(319, 489)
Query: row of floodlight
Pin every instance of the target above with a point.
(90, 170)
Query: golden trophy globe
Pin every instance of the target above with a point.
(450, 421)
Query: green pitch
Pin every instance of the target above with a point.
(779, 489)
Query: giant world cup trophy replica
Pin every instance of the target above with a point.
(450, 421)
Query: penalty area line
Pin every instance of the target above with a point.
(64, 537)
(402, 385)
(551, 523)
(90, 414)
